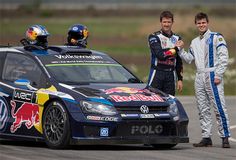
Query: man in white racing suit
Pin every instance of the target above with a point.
(209, 50)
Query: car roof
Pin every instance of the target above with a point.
(52, 50)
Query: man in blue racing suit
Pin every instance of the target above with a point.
(165, 62)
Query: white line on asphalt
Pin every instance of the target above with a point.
(232, 139)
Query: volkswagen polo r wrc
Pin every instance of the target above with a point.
(67, 95)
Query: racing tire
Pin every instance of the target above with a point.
(56, 126)
(163, 146)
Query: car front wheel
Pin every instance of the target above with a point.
(56, 127)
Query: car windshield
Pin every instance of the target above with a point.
(88, 69)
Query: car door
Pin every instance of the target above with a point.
(19, 100)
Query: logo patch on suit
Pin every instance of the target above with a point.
(173, 40)
(164, 42)
(208, 41)
(220, 39)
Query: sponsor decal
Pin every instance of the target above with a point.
(85, 33)
(124, 90)
(169, 61)
(147, 116)
(136, 97)
(99, 118)
(146, 129)
(153, 39)
(129, 115)
(162, 115)
(78, 57)
(3, 114)
(95, 118)
(221, 39)
(75, 28)
(164, 42)
(173, 40)
(21, 95)
(208, 41)
(104, 132)
(27, 113)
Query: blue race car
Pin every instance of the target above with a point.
(67, 95)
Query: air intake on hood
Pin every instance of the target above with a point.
(88, 91)
(70, 50)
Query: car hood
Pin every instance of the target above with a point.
(122, 94)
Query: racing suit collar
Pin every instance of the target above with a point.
(201, 36)
(166, 34)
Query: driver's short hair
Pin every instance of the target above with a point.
(167, 14)
(200, 16)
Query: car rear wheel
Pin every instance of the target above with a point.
(163, 146)
(56, 127)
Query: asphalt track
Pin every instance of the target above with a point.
(10, 150)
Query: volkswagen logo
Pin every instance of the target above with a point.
(144, 109)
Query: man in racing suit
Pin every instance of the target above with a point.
(210, 53)
(165, 63)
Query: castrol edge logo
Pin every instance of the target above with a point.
(133, 95)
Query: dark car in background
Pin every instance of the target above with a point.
(67, 95)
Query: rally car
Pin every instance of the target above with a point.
(66, 95)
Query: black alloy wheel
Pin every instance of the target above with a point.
(56, 127)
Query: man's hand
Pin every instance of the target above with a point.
(170, 52)
(217, 81)
(180, 44)
(179, 86)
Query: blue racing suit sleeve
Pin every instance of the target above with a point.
(179, 68)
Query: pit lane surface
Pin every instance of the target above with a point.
(10, 150)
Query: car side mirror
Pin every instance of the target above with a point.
(24, 82)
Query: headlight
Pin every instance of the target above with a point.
(95, 107)
(173, 109)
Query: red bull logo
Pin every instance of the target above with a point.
(31, 34)
(123, 90)
(28, 114)
(136, 97)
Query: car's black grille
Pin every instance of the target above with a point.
(146, 129)
(136, 109)
(135, 128)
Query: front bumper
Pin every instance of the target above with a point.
(131, 132)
